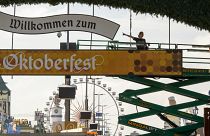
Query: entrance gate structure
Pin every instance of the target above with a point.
(184, 76)
(137, 66)
(188, 76)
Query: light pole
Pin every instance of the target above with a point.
(86, 100)
(103, 116)
(169, 32)
(99, 101)
(68, 11)
(94, 119)
(67, 78)
(94, 89)
(104, 124)
(99, 108)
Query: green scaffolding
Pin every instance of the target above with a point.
(189, 76)
(132, 97)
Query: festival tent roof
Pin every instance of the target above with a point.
(3, 87)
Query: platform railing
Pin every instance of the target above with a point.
(116, 45)
(160, 46)
(194, 56)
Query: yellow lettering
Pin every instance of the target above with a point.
(141, 126)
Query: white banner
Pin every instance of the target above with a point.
(71, 22)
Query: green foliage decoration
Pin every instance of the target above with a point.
(192, 12)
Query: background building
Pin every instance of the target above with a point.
(177, 120)
(174, 119)
(5, 99)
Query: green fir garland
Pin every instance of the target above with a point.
(192, 12)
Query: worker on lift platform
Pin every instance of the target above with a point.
(140, 41)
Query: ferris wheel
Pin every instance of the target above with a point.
(100, 100)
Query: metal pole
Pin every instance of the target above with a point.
(91, 42)
(169, 29)
(103, 119)
(130, 25)
(102, 123)
(68, 11)
(67, 102)
(13, 33)
(98, 110)
(91, 35)
(118, 112)
(94, 87)
(86, 100)
(105, 124)
(86, 94)
(98, 102)
(67, 80)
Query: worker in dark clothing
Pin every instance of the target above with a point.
(140, 41)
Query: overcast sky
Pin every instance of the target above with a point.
(32, 92)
